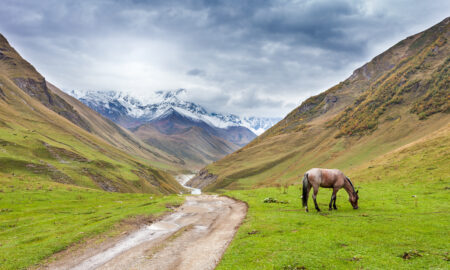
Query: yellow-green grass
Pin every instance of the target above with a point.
(36, 142)
(403, 209)
(39, 218)
(24, 148)
(285, 158)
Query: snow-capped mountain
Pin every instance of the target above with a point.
(131, 111)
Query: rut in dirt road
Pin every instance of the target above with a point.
(193, 237)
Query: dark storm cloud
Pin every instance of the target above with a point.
(196, 72)
(247, 57)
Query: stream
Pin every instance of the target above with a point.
(183, 179)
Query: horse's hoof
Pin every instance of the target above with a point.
(330, 209)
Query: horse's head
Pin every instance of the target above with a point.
(354, 200)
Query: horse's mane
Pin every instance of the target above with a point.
(351, 184)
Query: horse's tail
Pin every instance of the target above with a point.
(305, 190)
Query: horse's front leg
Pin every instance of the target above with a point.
(333, 200)
(335, 191)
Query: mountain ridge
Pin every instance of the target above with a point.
(396, 98)
(144, 109)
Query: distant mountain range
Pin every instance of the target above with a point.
(131, 111)
(186, 130)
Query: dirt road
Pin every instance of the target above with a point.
(193, 237)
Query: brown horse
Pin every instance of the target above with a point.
(328, 178)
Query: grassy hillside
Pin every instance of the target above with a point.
(402, 222)
(400, 96)
(45, 138)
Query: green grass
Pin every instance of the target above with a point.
(403, 208)
(389, 222)
(40, 218)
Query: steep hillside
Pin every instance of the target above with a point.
(45, 137)
(400, 96)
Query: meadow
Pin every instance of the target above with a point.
(403, 220)
(398, 226)
(40, 218)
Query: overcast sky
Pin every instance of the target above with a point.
(245, 57)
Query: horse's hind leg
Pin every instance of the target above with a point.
(307, 195)
(316, 190)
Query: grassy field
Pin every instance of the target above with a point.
(403, 220)
(40, 218)
(389, 223)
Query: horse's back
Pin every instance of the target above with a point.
(314, 173)
(336, 172)
(326, 177)
(319, 171)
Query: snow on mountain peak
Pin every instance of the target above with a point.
(154, 105)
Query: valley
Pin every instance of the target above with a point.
(110, 179)
(174, 125)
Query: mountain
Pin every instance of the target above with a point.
(46, 135)
(114, 134)
(193, 140)
(130, 111)
(169, 122)
(399, 98)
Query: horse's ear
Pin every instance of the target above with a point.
(357, 191)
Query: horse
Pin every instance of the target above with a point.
(328, 178)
